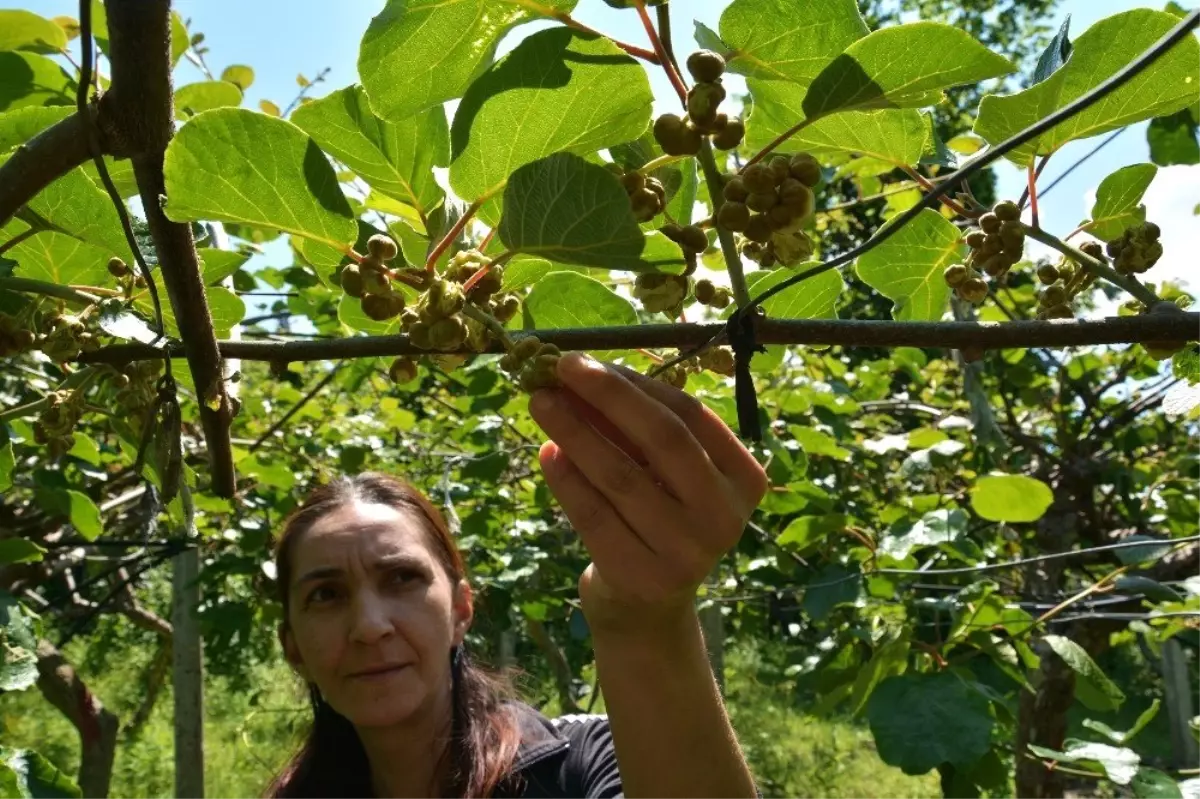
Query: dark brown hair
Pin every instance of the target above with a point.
(484, 735)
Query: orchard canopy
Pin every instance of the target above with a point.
(980, 428)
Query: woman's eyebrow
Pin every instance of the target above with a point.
(381, 564)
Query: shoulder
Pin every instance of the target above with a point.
(570, 755)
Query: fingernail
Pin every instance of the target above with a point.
(581, 363)
(542, 401)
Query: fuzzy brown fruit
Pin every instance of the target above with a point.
(703, 102)
(762, 201)
(989, 223)
(735, 190)
(694, 239)
(730, 135)
(955, 274)
(1047, 274)
(1007, 211)
(806, 169)
(974, 290)
(378, 307)
(351, 280)
(758, 179)
(733, 216)
(117, 267)
(975, 239)
(382, 247)
(706, 66)
(758, 228)
(403, 370)
(705, 291)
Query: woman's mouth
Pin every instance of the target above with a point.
(378, 672)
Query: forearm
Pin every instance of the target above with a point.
(670, 729)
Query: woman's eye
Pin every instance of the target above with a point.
(402, 576)
(322, 593)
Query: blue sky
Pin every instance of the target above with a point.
(281, 39)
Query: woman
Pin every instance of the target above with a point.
(376, 608)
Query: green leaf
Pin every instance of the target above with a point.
(1117, 201)
(59, 258)
(815, 298)
(1056, 53)
(216, 265)
(236, 165)
(834, 585)
(558, 90)
(805, 532)
(18, 661)
(787, 39)
(895, 136)
(7, 464)
(19, 550)
(239, 75)
(1173, 138)
(890, 659)
(179, 38)
(227, 309)
(816, 442)
(1150, 783)
(86, 450)
(205, 96)
(569, 210)
(907, 268)
(29, 79)
(24, 30)
(37, 777)
(1144, 586)
(937, 527)
(396, 159)
(82, 511)
(1010, 498)
(524, 271)
(568, 299)
(1092, 686)
(22, 124)
(1118, 763)
(1118, 737)
(1100, 52)
(903, 66)
(417, 54)
(921, 721)
(77, 206)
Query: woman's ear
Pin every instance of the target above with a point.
(462, 610)
(291, 652)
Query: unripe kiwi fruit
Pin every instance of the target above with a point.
(975, 239)
(1092, 248)
(694, 239)
(806, 169)
(377, 307)
(758, 179)
(730, 135)
(781, 216)
(1047, 274)
(403, 370)
(1151, 231)
(117, 267)
(382, 247)
(705, 291)
(973, 290)
(780, 169)
(989, 223)
(1054, 294)
(721, 298)
(418, 334)
(758, 228)
(675, 137)
(633, 181)
(797, 196)
(1007, 211)
(703, 101)
(351, 280)
(706, 66)
(672, 231)
(762, 201)
(735, 190)
(733, 216)
(955, 274)
(645, 205)
(507, 308)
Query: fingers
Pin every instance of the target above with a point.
(628, 490)
(677, 458)
(609, 540)
(727, 452)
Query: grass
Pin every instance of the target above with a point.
(250, 733)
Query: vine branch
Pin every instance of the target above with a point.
(836, 332)
(663, 60)
(40, 161)
(48, 289)
(733, 261)
(1096, 267)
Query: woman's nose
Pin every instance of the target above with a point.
(371, 621)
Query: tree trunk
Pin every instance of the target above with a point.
(97, 727)
(187, 675)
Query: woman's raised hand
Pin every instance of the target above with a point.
(656, 485)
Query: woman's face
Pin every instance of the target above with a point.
(372, 615)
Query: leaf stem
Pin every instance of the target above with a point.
(452, 234)
(663, 13)
(499, 260)
(571, 22)
(780, 139)
(17, 239)
(1032, 189)
(663, 60)
(490, 322)
(928, 186)
(733, 261)
(1130, 284)
(660, 162)
(31, 286)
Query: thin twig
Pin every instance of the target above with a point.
(663, 60)
(292, 411)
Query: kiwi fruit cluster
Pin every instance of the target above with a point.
(658, 292)
(532, 363)
(683, 135)
(15, 337)
(717, 359)
(65, 336)
(1060, 283)
(54, 428)
(647, 196)
(485, 292)
(996, 246)
(135, 385)
(706, 293)
(768, 203)
(691, 238)
(369, 280)
(1137, 249)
